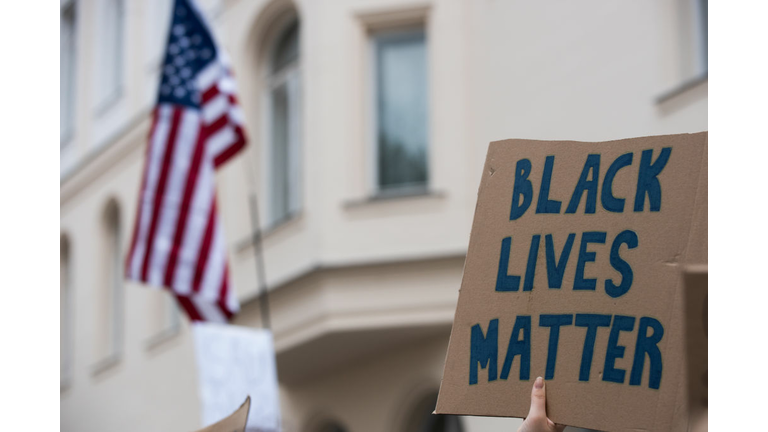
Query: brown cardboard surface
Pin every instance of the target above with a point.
(670, 234)
(696, 310)
(236, 422)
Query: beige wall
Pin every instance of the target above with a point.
(365, 289)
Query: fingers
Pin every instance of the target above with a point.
(559, 427)
(538, 400)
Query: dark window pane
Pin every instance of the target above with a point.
(280, 168)
(287, 48)
(401, 88)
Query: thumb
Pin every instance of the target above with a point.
(538, 399)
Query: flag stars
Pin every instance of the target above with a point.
(190, 49)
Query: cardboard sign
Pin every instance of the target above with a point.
(573, 274)
(696, 319)
(234, 362)
(235, 422)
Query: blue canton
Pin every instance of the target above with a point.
(190, 49)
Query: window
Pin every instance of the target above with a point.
(283, 107)
(110, 305)
(157, 31)
(703, 33)
(400, 107)
(65, 315)
(163, 317)
(110, 65)
(67, 65)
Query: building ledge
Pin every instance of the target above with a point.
(682, 88)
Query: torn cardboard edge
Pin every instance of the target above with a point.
(236, 422)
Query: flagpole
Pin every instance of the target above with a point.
(260, 272)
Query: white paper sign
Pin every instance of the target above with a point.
(234, 362)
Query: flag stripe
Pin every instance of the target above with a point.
(170, 211)
(158, 146)
(202, 256)
(232, 149)
(127, 265)
(171, 145)
(214, 269)
(194, 173)
(186, 304)
(223, 295)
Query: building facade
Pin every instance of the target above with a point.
(368, 123)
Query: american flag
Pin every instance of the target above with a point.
(178, 242)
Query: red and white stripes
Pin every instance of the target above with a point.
(178, 242)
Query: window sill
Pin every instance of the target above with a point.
(270, 229)
(394, 195)
(106, 364)
(162, 337)
(109, 102)
(682, 88)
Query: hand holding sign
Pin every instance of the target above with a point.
(537, 420)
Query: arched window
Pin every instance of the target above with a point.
(283, 94)
(110, 54)
(67, 71)
(421, 418)
(110, 296)
(65, 311)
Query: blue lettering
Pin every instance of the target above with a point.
(590, 186)
(521, 347)
(584, 257)
(555, 270)
(505, 282)
(647, 181)
(554, 322)
(522, 188)
(591, 322)
(647, 345)
(610, 202)
(629, 238)
(533, 256)
(614, 350)
(545, 204)
(484, 349)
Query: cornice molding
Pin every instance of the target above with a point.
(95, 163)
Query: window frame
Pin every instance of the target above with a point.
(66, 134)
(108, 95)
(115, 344)
(66, 367)
(701, 36)
(290, 76)
(172, 326)
(372, 96)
